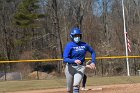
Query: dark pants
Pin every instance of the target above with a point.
(84, 80)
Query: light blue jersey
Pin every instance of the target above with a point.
(77, 51)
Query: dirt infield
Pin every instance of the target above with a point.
(118, 88)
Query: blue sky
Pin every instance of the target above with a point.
(97, 7)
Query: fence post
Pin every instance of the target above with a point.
(21, 76)
(135, 67)
(102, 67)
(5, 72)
(37, 71)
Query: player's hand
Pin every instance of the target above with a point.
(78, 62)
(88, 66)
(93, 66)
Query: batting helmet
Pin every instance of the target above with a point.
(75, 31)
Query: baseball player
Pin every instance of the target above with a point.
(74, 57)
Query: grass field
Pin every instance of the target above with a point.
(6, 86)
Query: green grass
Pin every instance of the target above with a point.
(57, 83)
(113, 80)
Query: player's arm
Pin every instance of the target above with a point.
(93, 55)
(66, 54)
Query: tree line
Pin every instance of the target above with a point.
(39, 29)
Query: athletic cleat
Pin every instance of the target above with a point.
(85, 89)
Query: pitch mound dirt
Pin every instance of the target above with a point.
(118, 88)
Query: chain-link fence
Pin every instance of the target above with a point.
(48, 69)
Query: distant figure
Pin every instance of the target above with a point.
(84, 81)
(74, 57)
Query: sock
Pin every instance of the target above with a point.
(76, 89)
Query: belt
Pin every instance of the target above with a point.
(74, 64)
